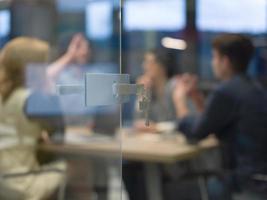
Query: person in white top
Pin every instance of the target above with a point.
(19, 133)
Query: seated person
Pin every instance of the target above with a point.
(70, 69)
(236, 112)
(78, 54)
(159, 67)
(19, 128)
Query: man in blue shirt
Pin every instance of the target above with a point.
(236, 112)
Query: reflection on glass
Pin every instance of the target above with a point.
(154, 15)
(85, 137)
(232, 16)
(99, 19)
(4, 23)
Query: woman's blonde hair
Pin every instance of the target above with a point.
(20, 52)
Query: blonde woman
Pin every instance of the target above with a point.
(19, 130)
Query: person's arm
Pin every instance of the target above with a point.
(184, 84)
(46, 111)
(59, 65)
(219, 113)
(198, 99)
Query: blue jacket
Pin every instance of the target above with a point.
(237, 113)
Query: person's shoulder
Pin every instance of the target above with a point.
(237, 86)
(170, 84)
(223, 87)
(50, 104)
(169, 87)
(235, 83)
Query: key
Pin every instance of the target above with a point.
(144, 105)
(147, 118)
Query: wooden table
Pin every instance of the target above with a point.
(148, 148)
(154, 148)
(136, 147)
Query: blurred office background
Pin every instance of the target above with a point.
(121, 32)
(145, 24)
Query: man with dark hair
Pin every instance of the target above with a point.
(236, 112)
(238, 48)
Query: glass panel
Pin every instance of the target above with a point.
(70, 143)
(230, 21)
(160, 40)
(154, 42)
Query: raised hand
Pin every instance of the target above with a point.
(185, 86)
(74, 46)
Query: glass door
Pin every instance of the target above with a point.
(92, 114)
(71, 94)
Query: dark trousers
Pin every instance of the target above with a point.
(133, 175)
